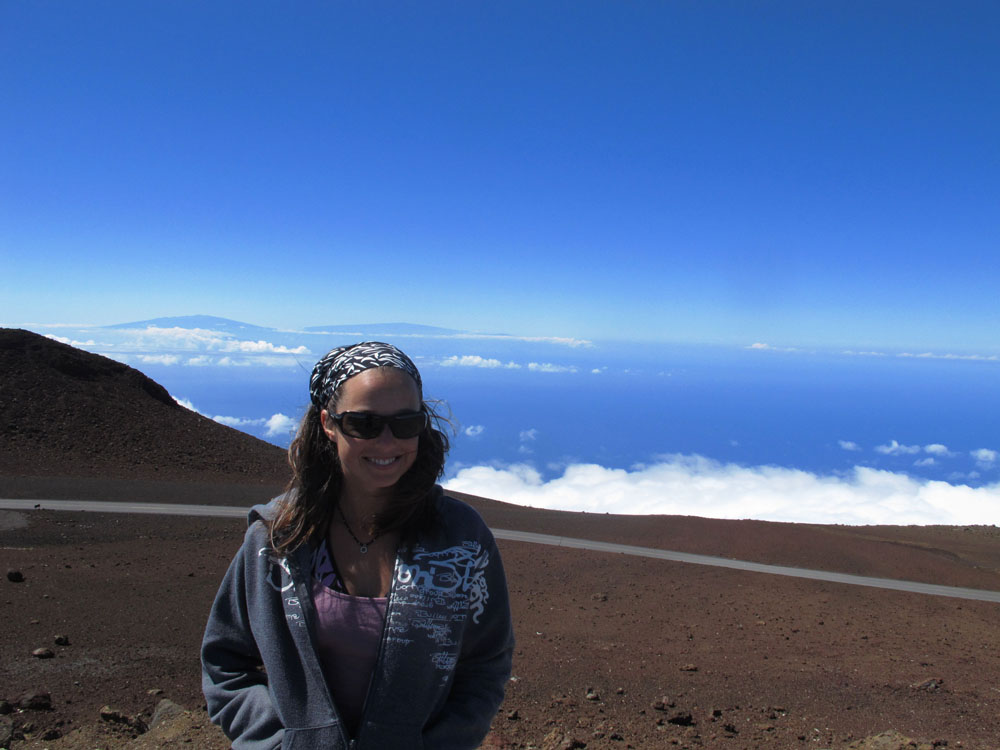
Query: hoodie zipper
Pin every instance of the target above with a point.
(309, 613)
(381, 648)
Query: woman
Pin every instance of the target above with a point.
(365, 608)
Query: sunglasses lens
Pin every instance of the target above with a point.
(408, 425)
(367, 426)
(361, 425)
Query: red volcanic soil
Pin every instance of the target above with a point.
(613, 651)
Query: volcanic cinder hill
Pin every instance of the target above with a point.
(613, 651)
(67, 412)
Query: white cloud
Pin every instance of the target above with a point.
(159, 359)
(186, 404)
(156, 339)
(693, 485)
(474, 430)
(850, 353)
(201, 360)
(527, 438)
(894, 448)
(549, 367)
(474, 360)
(598, 370)
(937, 449)
(260, 360)
(932, 355)
(849, 445)
(280, 424)
(71, 342)
(911, 355)
(761, 346)
(259, 347)
(231, 362)
(985, 457)
(277, 424)
(924, 462)
(237, 422)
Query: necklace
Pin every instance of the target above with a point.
(363, 546)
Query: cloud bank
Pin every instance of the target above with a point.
(202, 339)
(549, 367)
(277, 425)
(760, 345)
(190, 347)
(71, 342)
(694, 485)
(474, 360)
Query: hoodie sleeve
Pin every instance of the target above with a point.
(483, 667)
(236, 690)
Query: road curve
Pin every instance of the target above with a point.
(217, 511)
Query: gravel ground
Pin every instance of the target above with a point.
(613, 651)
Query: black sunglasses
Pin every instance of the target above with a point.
(365, 425)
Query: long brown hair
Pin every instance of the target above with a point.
(311, 497)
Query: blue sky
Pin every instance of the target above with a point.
(798, 174)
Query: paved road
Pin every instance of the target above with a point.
(528, 536)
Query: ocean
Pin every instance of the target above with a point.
(625, 405)
(742, 432)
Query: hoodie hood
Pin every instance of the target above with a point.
(264, 511)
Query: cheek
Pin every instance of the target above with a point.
(336, 443)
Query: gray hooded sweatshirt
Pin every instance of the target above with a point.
(443, 660)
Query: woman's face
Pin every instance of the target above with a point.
(373, 466)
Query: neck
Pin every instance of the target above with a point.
(360, 511)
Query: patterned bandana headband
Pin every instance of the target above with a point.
(347, 361)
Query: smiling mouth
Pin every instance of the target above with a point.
(382, 461)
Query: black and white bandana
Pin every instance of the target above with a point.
(347, 361)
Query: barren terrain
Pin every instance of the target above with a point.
(613, 651)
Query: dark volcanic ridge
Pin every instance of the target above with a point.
(67, 412)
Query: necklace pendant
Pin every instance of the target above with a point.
(364, 549)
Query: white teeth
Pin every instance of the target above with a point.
(382, 461)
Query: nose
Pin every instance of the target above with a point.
(385, 435)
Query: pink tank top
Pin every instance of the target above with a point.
(349, 629)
